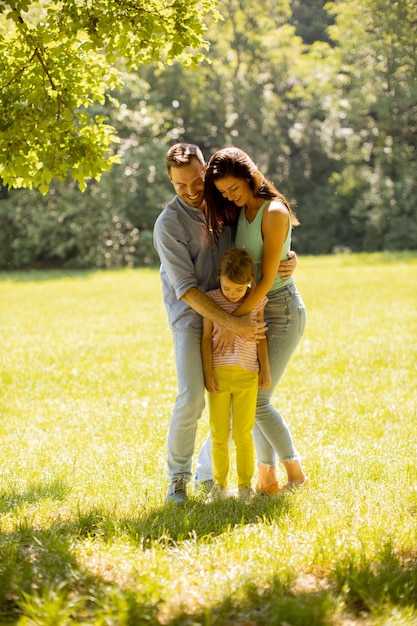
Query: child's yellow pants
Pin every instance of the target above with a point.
(233, 407)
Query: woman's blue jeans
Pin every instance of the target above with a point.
(285, 315)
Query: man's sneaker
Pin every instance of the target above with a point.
(217, 493)
(246, 495)
(177, 491)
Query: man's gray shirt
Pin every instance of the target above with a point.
(188, 259)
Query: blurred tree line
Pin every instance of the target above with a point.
(323, 96)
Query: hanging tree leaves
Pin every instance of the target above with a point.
(59, 60)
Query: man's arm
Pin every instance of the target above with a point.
(244, 326)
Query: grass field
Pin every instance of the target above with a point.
(87, 387)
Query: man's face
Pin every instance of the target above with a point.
(188, 182)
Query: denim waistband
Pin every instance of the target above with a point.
(290, 288)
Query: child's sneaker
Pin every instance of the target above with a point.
(246, 495)
(217, 493)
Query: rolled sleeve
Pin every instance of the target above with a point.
(175, 257)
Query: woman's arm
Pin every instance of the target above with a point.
(275, 224)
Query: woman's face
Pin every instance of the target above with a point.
(234, 189)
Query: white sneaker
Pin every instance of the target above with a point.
(217, 493)
(246, 495)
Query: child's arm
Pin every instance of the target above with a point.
(207, 355)
(264, 369)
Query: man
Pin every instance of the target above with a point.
(189, 263)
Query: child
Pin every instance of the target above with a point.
(232, 379)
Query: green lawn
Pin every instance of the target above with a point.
(87, 384)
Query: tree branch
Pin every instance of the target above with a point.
(45, 69)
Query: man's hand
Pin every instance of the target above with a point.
(250, 328)
(222, 340)
(287, 268)
(245, 326)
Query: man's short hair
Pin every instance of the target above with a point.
(181, 154)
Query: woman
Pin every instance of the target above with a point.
(237, 192)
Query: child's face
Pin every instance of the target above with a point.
(234, 292)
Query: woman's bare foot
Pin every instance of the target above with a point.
(295, 474)
(267, 484)
(292, 485)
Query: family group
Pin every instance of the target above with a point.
(224, 242)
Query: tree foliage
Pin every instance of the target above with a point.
(58, 60)
(377, 56)
(311, 20)
(333, 123)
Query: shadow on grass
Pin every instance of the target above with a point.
(276, 605)
(391, 580)
(54, 489)
(41, 579)
(171, 524)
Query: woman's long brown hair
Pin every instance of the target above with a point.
(235, 162)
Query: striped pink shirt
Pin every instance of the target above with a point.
(245, 353)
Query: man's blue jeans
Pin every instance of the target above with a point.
(189, 404)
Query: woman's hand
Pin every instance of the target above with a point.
(287, 268)
(249, 327)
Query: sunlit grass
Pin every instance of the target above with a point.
(87, 387)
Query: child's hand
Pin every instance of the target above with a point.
(212, 384)
(264, 380)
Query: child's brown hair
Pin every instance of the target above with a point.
(237, 265)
